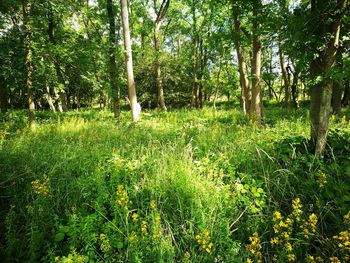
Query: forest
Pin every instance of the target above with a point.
(175, 131)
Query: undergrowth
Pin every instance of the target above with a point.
(181, 186)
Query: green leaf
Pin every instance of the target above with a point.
(59, 237)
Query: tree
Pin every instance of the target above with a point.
(161, 12)
(135, 107)
(256, 103)
(28, 61)
(113, 78)
(321, 91)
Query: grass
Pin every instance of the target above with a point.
(87, 188)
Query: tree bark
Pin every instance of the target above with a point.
(195, 95)
(321, 91)
(286, 82)
(62, 103)
(256, 104)
(3, 95)
(28, 62)
(135, 107)
(295, 89)
(242, 65)
(158, 22)
(346, 98)
(338, 88)
(113, 77)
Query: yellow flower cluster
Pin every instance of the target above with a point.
(204, 241)
(309, 226)
(347, 219)
(254, 247)
(334, 260)
(41, 187)
(321, 179)
(153, 205)
(343, 240)
(104, 243)
(122, 197)
(156, 227)
(144, 227)
(297, 209)
(132, 237)
(135, 217)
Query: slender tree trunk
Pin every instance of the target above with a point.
(242, 65)
(321, 92)
(62, 96)
(217, 85)
(113, 77)
(135, 107)
(159, 81)
(346, 97)
(338, 88)
(3, 95)
(295, 89)
(194, 100)
(256, 104)
(28, 61)
(286, 82)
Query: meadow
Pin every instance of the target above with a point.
(178, 186)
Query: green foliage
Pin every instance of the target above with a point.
(183, 186)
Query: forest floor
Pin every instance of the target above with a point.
(180, 186)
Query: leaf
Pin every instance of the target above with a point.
(59, 237)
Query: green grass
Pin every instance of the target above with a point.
(205, 171)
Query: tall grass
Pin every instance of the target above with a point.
(187, 176)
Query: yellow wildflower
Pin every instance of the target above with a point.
(277, 216)
(285, 235)
(310, 259)
(334, 260)
(288, 246)
(313, 221)
(153, 204)
(291, 257)
(135, 217)
(144, 227)
(41, 187)
(275, 241)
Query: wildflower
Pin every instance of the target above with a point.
(135, 217)
(343, 239)
(321, 179)
(204, 241)
(122, 197)
(288, 246)
(153, 204)
(41, 187)
(276, 228)
(275, 241)
(277, 216)
(310, 259)
(249, 260)
(285, 235)
(297, 206)
(187, 257)
(313, 221)
(334, 260)
(144, 227)
(255, 246)
(104, 243)
(282, 224)
(132, 237)
(291, 257)
(347, 219)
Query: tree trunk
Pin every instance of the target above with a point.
(113, 78)
(135, 107)
(256, 104)
(242, 65)
(62, 96)
(194, 100)
(338, 88)
(3, 95)
(321, 92)
(160, 91)
(286, 82)
(28, 61)
(295, 89)
(346, 97)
